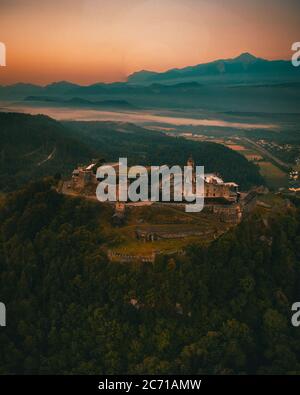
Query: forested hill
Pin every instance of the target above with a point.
(35, 146)
(222, 309)
(147, 147)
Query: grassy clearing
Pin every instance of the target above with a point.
(135, 247)
(250, 153)
(272, 200)
(236, 147)
(164, 219)
(274, 177)
(254, 157)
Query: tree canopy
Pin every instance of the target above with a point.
(218, 309)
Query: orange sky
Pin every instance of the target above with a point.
(86, 41)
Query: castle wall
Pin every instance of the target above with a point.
(216, 190)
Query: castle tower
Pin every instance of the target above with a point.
(191, 163)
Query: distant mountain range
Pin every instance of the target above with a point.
(243, 67)
(55, 91)
(78, 101)
(259, 85)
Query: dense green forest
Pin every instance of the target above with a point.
(35, 146)
(223, 308)
(147, 147)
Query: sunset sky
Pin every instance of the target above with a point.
(87, 41)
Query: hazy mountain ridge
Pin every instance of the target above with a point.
(245, 84)
(245, 64)
(75, 101)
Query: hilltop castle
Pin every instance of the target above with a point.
(84, 180)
